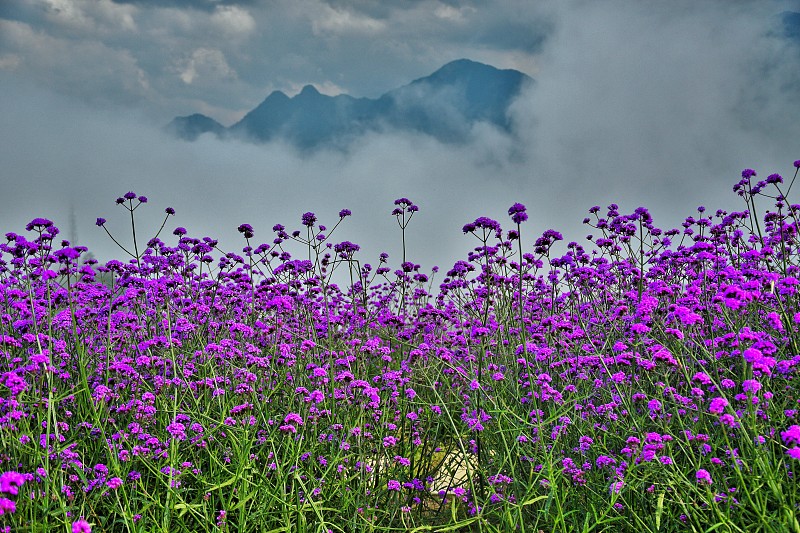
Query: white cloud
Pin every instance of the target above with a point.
(329, 20)
(101, 16)
(88, 69)
(454, 14)
(9, 61)
(206, 64)
(233, 21)
(68, 13)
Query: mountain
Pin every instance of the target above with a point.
(443, 105)
(459, 94)
(307, 120)
(193, 126)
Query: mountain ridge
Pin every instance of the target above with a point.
(443, 105)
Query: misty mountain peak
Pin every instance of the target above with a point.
(193, 126)
(443, 105)
(277, 96)
(309, 90)
(460, 68)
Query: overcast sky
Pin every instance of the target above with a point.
(642, 103)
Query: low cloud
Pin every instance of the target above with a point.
(650, 104)
(217, 185)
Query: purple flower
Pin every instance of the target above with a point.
(10, 482)
(791, 435)
(404, 205)
(703, 477)
(393, 484)
(344, 213)
(7, 506)
(308, 219)
(293, 418)
(517, 213)
(169, 211)
(143, 199)
(482, 223)
(346, 249)
(751, 385)
(752, 355)
(718, 405)
(246, 230)
(686, 316)
(81, 526)
(38, 224)
(177, 430)
(794, 453)
(129, 195)
(114, 483)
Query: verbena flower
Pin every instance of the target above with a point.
(308, 219)
(7, 506)
(791, 435)
(717, 405)
(703, 477)
(81, 526)
(246, 230)
(10, 482)
(517, 213)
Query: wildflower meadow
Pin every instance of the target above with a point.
(642, 381)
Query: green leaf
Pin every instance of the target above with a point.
(533, 500)
(459, 525)
(659, 510)
(184, 508)
(224, 484)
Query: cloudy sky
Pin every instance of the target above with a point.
(651, 103)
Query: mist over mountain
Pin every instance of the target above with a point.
(443, 105)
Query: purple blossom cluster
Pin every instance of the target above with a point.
(654, 370)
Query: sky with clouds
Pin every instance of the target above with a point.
(650, 103)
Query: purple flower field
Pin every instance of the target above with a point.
(643, 381)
